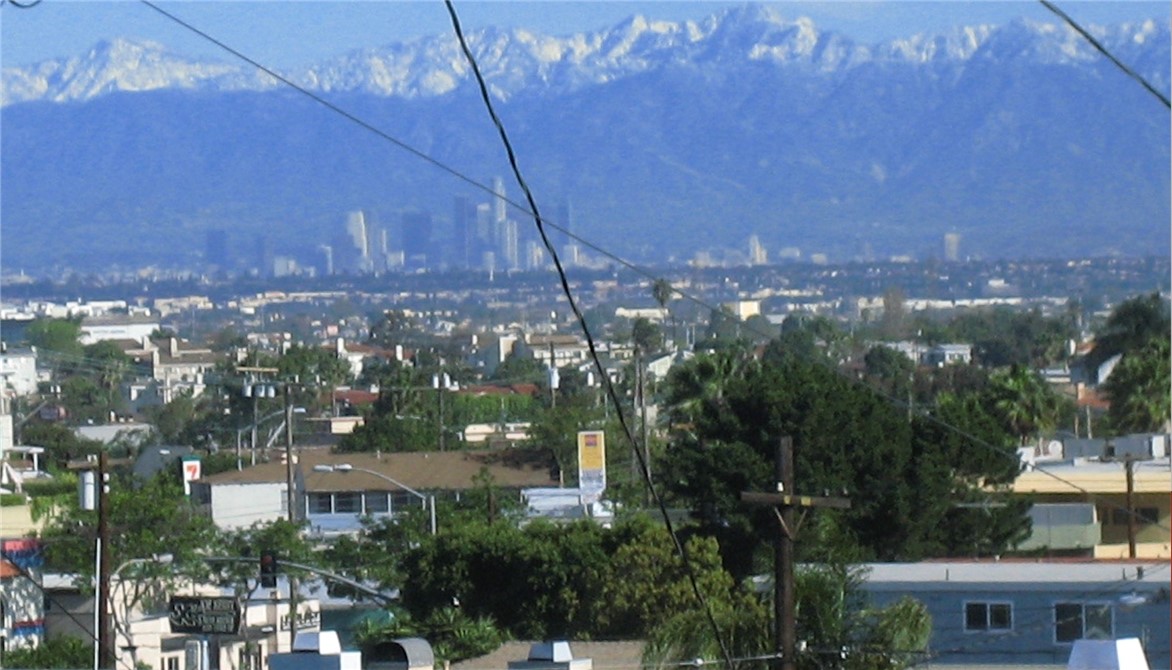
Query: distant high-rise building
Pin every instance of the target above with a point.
(358, 257)
(952, 246)
(283, 266)
(264, 256)
(327, 260)
(565, 220)
(356, 229)
(464, 232)
(571, 255)
(757, 253)
(534, 255)
(416, 236)
(510, 245)
(499, 205)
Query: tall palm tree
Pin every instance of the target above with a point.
(662, 291)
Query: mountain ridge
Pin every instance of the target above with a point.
(667, 137)
(517, 60)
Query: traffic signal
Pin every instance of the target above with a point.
(268, 570)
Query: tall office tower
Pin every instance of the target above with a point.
(216, 248)
(463, 231)
(326, 267)
(534, 255)
(952, 246)
(757, 253)
(264, 257)
(382, 249)
(416, 237)
(488, 261)
(359, 242)
(510, 246)
(500, 208)
(483, 233)
(565, 220)
(571, 255)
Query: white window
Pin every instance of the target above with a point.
(1077, 621)
(171, 663)
(988, 617)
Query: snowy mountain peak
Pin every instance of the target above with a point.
(520, 60)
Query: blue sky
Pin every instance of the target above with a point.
(287, 34)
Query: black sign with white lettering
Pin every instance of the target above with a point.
(204, 615)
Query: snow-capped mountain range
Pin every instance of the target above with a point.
(666, 136)
(518, 61)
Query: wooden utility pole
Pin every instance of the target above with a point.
(105, 630)
(291, 492)
(784, 504)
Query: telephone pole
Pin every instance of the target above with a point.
(291, 493)
(784, 504)
(105, 630)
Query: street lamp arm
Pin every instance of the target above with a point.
(308, 568)
(392, 480)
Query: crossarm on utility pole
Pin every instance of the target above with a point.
(784, 502)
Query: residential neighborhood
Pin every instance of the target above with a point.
(313, 448)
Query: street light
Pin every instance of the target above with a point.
(442, 382)
(123, 627)
(429, 501)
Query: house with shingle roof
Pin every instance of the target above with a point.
(333, 492)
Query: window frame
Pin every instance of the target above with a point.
(1083, 605)
(314, 500)
(988, 607)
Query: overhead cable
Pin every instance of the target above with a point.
(565, 283)
(1103, 50)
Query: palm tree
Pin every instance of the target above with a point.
(662, 291)
(1138, 389)
(1027, 404)
(702, 381)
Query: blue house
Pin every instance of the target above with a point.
(1029, 613)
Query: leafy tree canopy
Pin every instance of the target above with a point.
(1131, 325)
(1138, 389)
(848, 440)
(56, 335)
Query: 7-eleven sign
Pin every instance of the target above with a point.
(191, 472)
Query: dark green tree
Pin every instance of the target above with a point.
(848, 440)
(61, 444)
(313, 366)
(519, 367)
(662, 293)
(1138, 389)
(58, 336)
(147, 519)
(1025, 402)
(646, 336)
(61, 651)
(1131, 325)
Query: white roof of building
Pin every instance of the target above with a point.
(1022, 575)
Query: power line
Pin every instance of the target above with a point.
(643, 466)
(542, 222)
(1103, 50)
